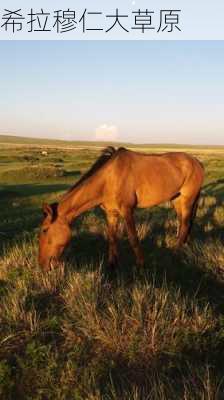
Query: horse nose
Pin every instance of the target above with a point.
(44, 263)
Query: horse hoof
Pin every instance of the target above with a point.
(141, 263)
(176, 248)
(113, 266)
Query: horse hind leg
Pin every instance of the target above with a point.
(186, 209)
(195, 206)
(194, 211)
(177, 206)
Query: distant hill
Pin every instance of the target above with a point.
(54, 142)
(20, 140)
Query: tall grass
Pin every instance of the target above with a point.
(80, 333)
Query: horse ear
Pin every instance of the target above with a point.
(51, 211)
(47, 210)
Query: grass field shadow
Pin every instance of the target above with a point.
(181, 269)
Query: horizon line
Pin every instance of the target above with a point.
(110, 142)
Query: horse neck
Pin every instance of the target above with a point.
(85, 196)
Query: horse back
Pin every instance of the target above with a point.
(148, 179)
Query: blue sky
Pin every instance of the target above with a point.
(138, 91)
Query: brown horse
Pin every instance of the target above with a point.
(119, 181)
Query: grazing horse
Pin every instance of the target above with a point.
(119, 181)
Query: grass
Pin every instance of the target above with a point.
(82, 333)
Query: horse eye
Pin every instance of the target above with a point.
(44, 230)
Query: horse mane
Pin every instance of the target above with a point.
(106, 154)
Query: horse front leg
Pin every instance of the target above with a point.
(112, 221)
(133, 237)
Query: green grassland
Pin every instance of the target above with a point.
(81, 333)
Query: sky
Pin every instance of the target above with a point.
(127, 91)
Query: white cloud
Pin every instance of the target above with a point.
(107, 133)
